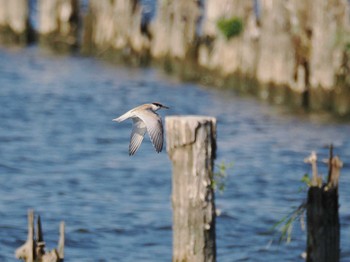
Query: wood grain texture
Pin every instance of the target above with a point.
(191, 145)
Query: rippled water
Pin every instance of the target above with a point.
(61, 154)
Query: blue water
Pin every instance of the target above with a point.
(61, 154)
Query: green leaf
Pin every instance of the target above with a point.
(219, 176)
(285, 225)
(230, 27)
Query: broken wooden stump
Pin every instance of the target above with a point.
(323, 228)
(191, 145)
(34, 248)
(26, 251)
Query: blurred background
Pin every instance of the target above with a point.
(67, 68)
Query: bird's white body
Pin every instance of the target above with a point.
(145, 119)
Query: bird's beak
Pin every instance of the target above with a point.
(165, 107)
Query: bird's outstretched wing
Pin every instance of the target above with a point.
(154, 127)
(138, 132)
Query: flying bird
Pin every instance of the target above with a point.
(145, 119)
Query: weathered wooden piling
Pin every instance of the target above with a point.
(175, 29)
(34, 248)
(323, 228)
(58, 23)
(191, 145)
(114, 29)
(14, 22)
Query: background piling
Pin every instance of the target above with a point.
(58, 23)
(14, 22)
(191, 145)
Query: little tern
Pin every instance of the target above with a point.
(145, 119)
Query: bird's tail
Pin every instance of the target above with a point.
(121, 118)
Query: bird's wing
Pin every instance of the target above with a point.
(138, 132)
(154, 126)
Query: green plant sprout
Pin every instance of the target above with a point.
(219, 177)
(306, 179)
(230, 27)
(285, 225)
(307, 182)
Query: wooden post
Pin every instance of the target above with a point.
(111, 26)
(58, 24)
(323, 229)
(14, 22)
(191, 145)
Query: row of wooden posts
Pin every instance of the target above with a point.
(191, 145)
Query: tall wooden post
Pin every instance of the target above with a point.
(323, 228)
(191, 145)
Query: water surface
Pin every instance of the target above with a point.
(61, 154)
